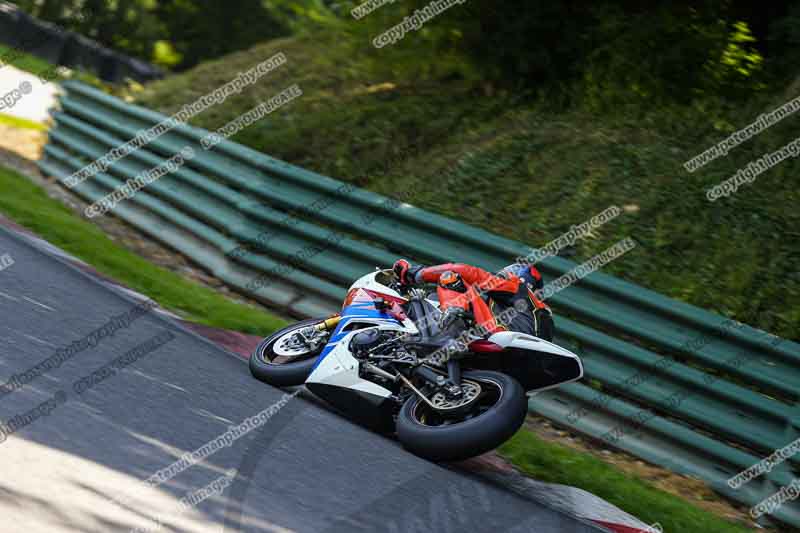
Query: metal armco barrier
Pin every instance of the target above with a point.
(683, 388)
(47, 41)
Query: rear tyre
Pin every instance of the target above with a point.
(498, 413)
(272, 363)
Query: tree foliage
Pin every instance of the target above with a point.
(609, 51)
(172, 33)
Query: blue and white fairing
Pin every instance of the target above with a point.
(336, 372)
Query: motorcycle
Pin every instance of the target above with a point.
(385, 362)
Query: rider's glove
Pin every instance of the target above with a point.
(406, 272)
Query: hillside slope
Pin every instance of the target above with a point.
(527, 170)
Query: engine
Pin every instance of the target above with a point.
(365, 342)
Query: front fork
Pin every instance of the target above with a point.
(329, 324)
(311, 334)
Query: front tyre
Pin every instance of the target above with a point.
(498, 413)
(280, 362)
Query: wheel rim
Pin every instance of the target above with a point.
(471, 392)
(288, 348)
(491, 392)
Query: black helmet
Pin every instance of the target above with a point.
(452, 280)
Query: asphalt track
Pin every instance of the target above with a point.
(305, 470)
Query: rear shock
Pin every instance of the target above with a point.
(454, 371)
(430, 376)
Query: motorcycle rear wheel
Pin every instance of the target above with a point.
(499, 413)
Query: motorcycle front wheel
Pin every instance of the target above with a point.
(281, 361)
(497, 413)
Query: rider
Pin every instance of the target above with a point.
(463, 288)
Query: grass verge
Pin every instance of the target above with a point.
(553, 463)
(21, 123)
(44, 69)
(28, 205)
(24, 61)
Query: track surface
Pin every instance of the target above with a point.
(305, 470)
